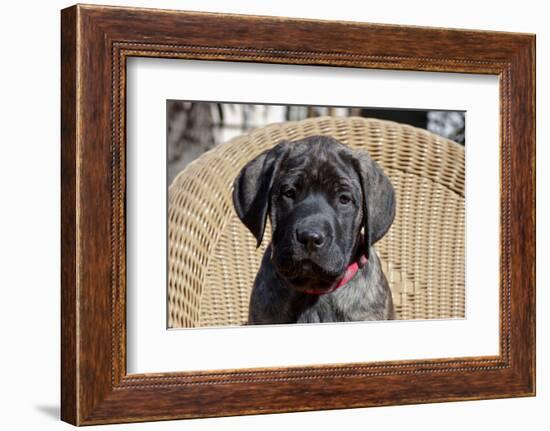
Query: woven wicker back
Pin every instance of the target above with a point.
(213, 258)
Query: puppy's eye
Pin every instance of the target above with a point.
(289, 193)
(345, 199)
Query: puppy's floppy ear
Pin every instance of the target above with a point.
(378, 199)
(252, 189)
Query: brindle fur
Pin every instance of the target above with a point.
(318, 171)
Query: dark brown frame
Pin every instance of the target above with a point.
(95, 43)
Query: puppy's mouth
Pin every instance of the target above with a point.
(307, 274)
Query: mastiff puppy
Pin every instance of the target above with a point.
(327, 205)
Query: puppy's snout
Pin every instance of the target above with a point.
(312, 239)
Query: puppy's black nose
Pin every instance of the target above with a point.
(310, 238)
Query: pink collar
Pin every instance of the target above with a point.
(351, 270)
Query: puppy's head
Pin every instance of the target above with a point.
(319, 196)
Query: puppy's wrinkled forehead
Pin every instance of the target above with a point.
(321, 159)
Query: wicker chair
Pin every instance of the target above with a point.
(213, 258)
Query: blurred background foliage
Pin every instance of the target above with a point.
(196, 127)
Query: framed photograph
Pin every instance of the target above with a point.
(263, 214)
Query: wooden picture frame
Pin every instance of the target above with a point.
(95, 43)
